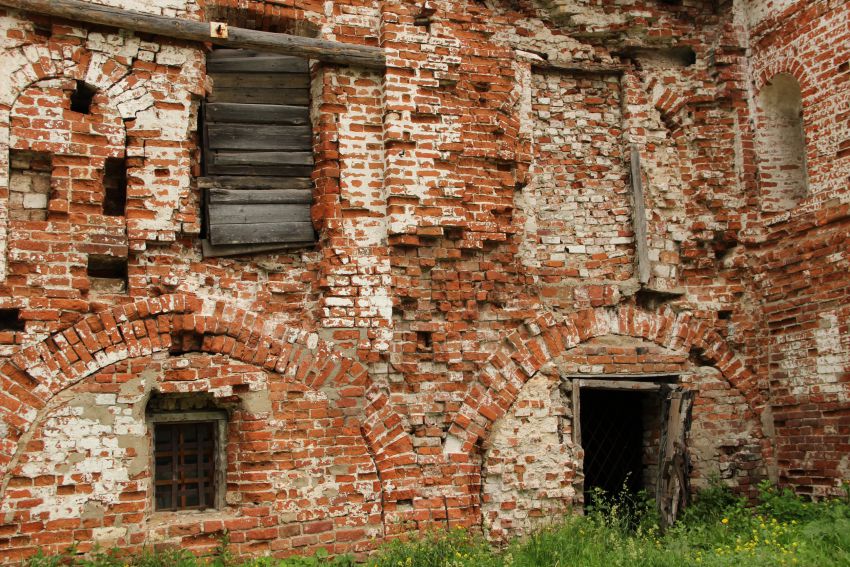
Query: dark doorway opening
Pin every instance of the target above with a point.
(612, 435)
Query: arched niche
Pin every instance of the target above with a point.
(781, 144)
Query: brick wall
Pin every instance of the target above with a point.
(802, 257)
(476, 250)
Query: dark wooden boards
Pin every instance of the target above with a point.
(257, 153)
(269, 80)
(235, 113)
(259, 196)
(211, 251)
(254, 137)
(265, 158)
(240, 182)
(255, 122)
(268, 42)
(263, 233)
(214, 168)
(259, 213)
(260, 96)
(257, 95)
(246, 61)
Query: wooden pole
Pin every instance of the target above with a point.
(639, 219)
(307, 47)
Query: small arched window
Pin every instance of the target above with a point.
(781, 144)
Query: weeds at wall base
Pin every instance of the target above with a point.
(718, 530)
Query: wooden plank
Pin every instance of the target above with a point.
(260, 81)
(576, 418)
(260, 158)
(293, 97)
(257, 113)
(659, 377)
(262, 233)
(672, 481)
(244, 61)
(259, 196)
(241, 182)
(620, 385)
(282, 171)
(639, 218)
(211, 251)
(306, 47)
(228, 213)
(251, 137)
(263, 138)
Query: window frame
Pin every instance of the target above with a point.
(219, 421)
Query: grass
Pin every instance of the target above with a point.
(718, 530)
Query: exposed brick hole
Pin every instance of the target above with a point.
(724, 315)
(423, 341)
(255, 17)
(43, 31)
(843, 149)
(781, 144)
(10, 320)
(29, 184)
(107, 274)
(186, 341)
(423, 22)
(844, 67)
(651, 299)
(423, 19)
(723, 244)
(680, 56)
(82, 96)
(115, 187)
(453, 232)
(405, 503)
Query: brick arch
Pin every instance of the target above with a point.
(32, 64)
(37, 373)
(526, 351)
(785, 66)
(38, 62)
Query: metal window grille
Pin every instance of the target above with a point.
(184, 457)
(612, 439)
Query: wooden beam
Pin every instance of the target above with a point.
(619, 385)
(306, 47)
(575, 398)
(639, 218)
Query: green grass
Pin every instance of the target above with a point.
(718, 530)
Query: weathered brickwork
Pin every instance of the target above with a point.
(478, 255)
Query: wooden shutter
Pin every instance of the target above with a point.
(257, 153)
(674, 465)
